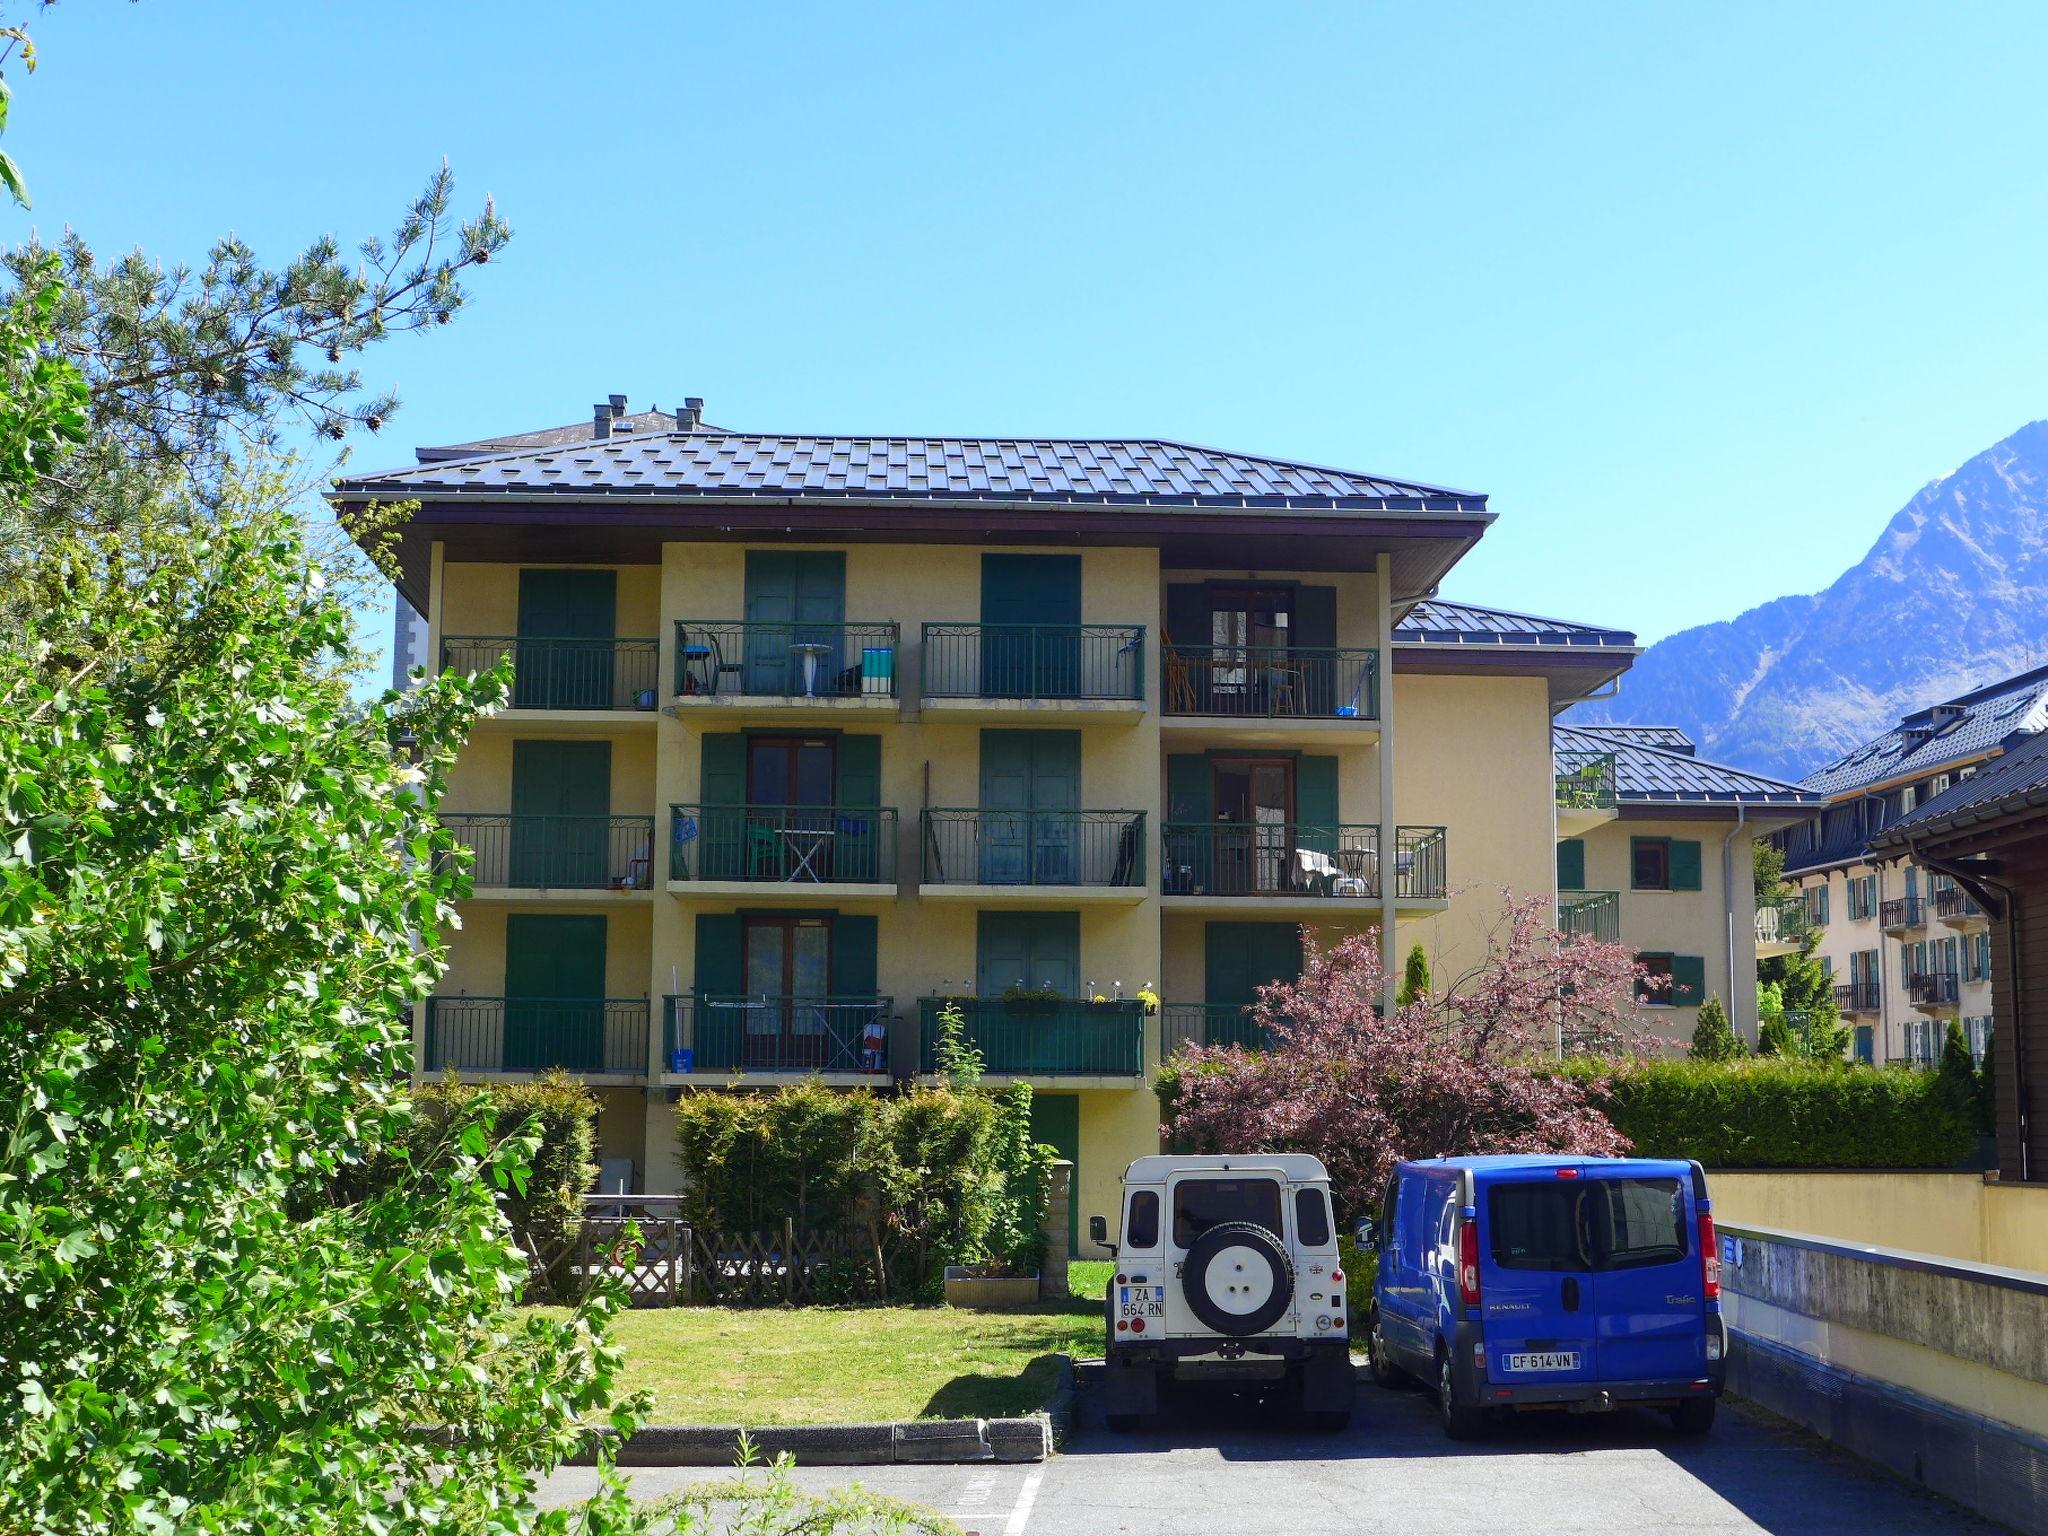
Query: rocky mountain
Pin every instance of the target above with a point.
(1953, 594)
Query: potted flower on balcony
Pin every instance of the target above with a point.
(1023, 999)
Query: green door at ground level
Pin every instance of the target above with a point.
(561, 815)
(554, 992)
(1056, 1121)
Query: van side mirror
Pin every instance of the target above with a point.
(1366, 1234)
(1098, 1230)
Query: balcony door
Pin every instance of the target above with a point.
(572, 616)
(788, 968)
(1031, 618)
(1254, 840)
(554, 992)
(794, 598)
(561, 815)
(790, 794)
(1032, 951)
(1024, 776)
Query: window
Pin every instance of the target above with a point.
(1141, 1225)
(1817, 904)
(1199, 1204)
(1827, 965)
(1908, 798)
(1588, 1224)
(1650, 864)
(1311, 1218)
(1674, 981)
(1637, 1222)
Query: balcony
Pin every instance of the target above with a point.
(783, 853)
(1929, 990)
(590, 1036)
(1856, 997)
(563, 674)
(1274, 693)
(786, 671)
(554, 853)
(1783, 926)
(1029, 672)
(1586, 790)
(1063, 1038)
(1211, 1024)
(1903, 913)
(1273, 866)
(1958, 908)
(834, 1037)
(1596, 914)
(1033, 858)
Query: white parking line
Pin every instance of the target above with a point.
(1025, 1497)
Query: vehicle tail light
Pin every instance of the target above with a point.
(1468, 1263)
(1710, 1259)
(1137, 1325)
(1567, 1173)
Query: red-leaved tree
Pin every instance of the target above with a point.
(1461, 1071)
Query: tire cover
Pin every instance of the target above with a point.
(1237, 1278)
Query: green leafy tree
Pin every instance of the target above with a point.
(220, 890)
(1767, 869)
(42, 396)
(1956, 1061)
(1713, 1037)
(1414, 986)
(1774, 1038)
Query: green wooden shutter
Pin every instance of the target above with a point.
(1188, 786)
(1571, 864)
(853, 956)
(1190, 802)
(1042, 592)
(561, 799)
(1821, 916)
(860, 770)
(560, 607)
(1187, 613)
(1685, 865)
(719, 963)
(1688, 978)
(1315, 627)
(558, 961)
(722, 790)
(1315, 803)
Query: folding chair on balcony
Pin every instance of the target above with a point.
(764, 848)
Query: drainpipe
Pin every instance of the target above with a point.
(1728, 897)
(1389, 836)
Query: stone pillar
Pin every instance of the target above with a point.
(1059, 1199)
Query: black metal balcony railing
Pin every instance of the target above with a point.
(1033, 661)
(753, 658)
(556, 852)
(552, 673)
(534, 1034)
(1296, 859)
(971, 846)
(1933, 989)
(1903, 912)
(1953, 903)
(1288, 682)
(1585, 780)
(776, 1034)
(783, 844)
(1597, 914)
(1856, 996)
(1210, 1024)
(1032, 1037)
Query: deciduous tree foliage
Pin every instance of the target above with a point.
(1460, 1071)
(220, 885)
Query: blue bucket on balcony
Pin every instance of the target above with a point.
(683, 1059)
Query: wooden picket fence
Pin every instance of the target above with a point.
(672, 1265)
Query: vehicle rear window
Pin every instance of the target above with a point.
(1586, 1223)
(1199, 1204)
(1141, 1228)
(1311, 1218)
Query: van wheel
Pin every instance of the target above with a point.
(1460, 1422)
(1120, 1423)
(1384, 1372)
(1694, 1416)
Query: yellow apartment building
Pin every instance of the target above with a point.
(810, 736)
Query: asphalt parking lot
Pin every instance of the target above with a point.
(1221, 1466)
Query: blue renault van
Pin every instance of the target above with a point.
(1581, 1283)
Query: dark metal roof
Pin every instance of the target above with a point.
(1436, 621)
(1647, 775)
(1931, 739)
(653, 419)
(2015, 781)
(1668, 738)
(731, 466)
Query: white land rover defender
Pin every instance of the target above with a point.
(1227, 1271)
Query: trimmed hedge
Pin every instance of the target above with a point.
(1787, 1113)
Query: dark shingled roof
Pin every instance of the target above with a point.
(1955, 730)
(2015, 781)
(1667, 737)
(1646, 775)
(730, 466)
(1437, 621)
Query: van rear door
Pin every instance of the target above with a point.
(1649, 1292)
(1535, 1279)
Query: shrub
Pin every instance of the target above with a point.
(1714, 1038)
(1784, 1113)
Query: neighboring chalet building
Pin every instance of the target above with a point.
(1654, 849)
(1989, 834)
(810, 735)
(1909, 948)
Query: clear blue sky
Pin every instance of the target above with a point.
(1699, 295)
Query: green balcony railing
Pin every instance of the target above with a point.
(535, 1034)
(972, 846)
(1272, 682)
(558, 673)
(1585, 780)
(1046, 662)
(752, 658)
(1031, 1037)
(1597, 914)
(556, 852)
(776, 1034)
(783, 844)
(1210, 1024)
(1787, 920)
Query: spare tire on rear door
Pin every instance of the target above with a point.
(1237, 1278)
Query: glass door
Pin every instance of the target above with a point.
(788, 963)
(789, 784)
(1250, 629)
(1254, 847)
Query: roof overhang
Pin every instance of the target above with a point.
(1768, 815)
(1574, 673)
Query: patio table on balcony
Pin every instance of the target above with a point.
(804, 845)
(810, 653)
